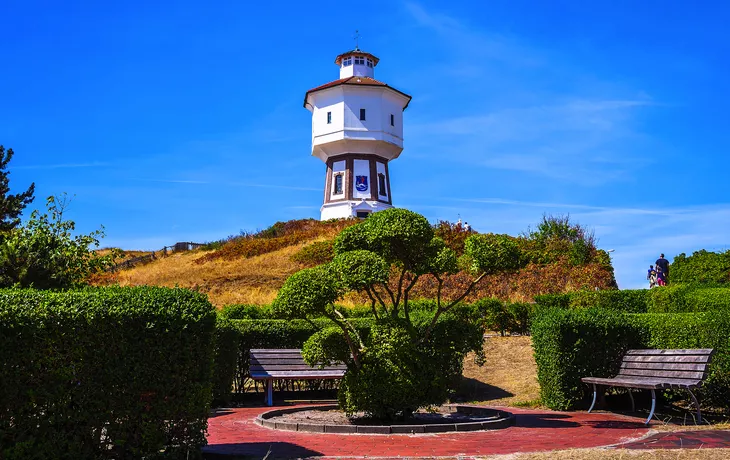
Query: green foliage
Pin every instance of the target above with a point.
(556, 238)
(308, 293)
(401, 374)
(11, 206)
(358, 269)
(683, 298)
(553, 300)
(319, 252)
(104, 373)
(570, 344)
(243, 311)
(631, 301)
(408, 360)
(326, 347)
(491, 253)
(495, 315)
(454, 235)
(709, 329)
(701, 267)
(44, 254)
(521, 313)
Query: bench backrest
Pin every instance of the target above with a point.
(683, 365)
(289, 359)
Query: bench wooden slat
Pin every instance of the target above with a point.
(297, 375)
(668, 359)
(695, 351)
(277, 361)
(654, 373)
(276, 350)
(663, 366)
(299, 367)
(643, 383)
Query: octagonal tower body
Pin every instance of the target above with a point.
(357, 128)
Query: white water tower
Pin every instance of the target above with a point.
(357, 128)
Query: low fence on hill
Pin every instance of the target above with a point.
(147, 258)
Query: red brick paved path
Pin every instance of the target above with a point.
(235, 433)
(702, 439)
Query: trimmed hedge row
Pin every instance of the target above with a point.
(570, 344)
(104, 373)
(676, 298)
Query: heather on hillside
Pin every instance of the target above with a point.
(278, 236)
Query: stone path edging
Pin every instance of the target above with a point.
(500, 419)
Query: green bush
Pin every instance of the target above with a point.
(668, 299)
(695, 330)
(630, 301)
(244, 311)
(701, 267)
(707, 299)
(553, 300)
(104, 373)
(570, 344)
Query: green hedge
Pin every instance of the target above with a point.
(631, 301)
(104, 373)
(685, 298)
(570, 344)
(238, 337)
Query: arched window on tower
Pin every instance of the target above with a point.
(381, 185)
(338, 189)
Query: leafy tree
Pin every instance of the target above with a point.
(701, 267)
(43, 253)
(409, 359)
(556, 237)
(11, 206)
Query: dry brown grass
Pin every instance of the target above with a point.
(255, 280)
(508, 377)
(619, 454)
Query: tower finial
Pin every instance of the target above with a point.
(357, 40)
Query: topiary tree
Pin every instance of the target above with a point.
(409, 359)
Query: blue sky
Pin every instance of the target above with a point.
(183, 121)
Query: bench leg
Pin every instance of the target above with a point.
(633, 405)
(697, 405)
(269, 392)
(595, 393)
(653, 406)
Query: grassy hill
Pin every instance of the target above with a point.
(251, 268)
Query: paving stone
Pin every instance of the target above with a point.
(373, 429)
(535, 430)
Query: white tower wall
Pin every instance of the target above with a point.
(357, 127)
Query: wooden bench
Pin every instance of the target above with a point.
(286, 364)
(658, 370)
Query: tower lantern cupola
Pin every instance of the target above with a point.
(356, 63)
(357, 128)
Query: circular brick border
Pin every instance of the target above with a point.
(498, 419)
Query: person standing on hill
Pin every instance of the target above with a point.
(662, 266)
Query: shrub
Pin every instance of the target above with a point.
(521, 313)
(104, 373)
(695, 330)
(403, 350)
(669, 299)
(495, 315)
(553, 300)
(707, 299)
(319, 252)
(245, 311)
(631, 301)
(701, 267)
(570, 344)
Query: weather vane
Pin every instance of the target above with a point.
(357, 40)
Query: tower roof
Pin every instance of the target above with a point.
(357, 81)
(356, 52)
